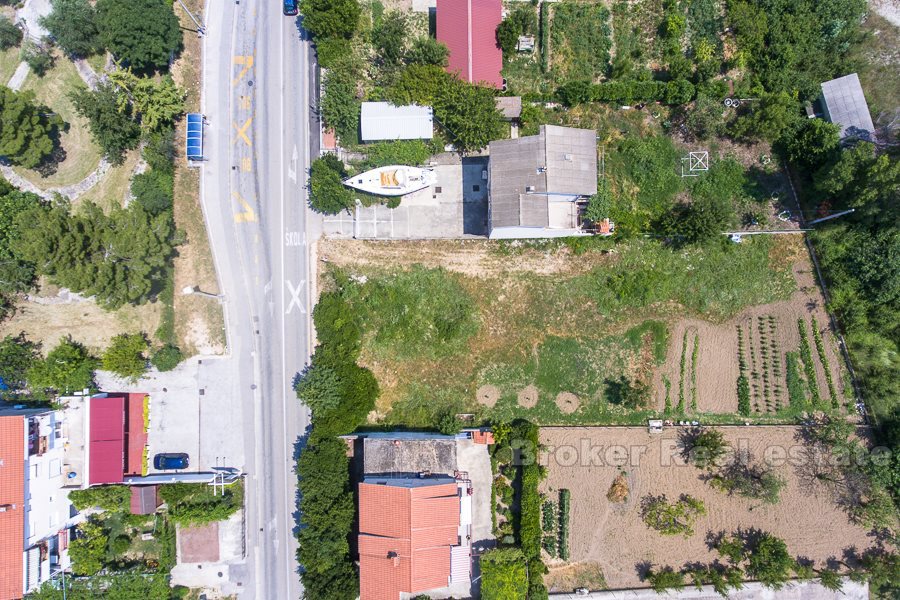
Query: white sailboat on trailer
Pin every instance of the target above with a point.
(393, 180)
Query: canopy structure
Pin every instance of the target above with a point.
(194, 142)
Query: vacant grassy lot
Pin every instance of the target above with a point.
(530, 330)
(82, 155)
(579, 41)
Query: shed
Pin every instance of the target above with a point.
(845, 104)
(384, 121)
(509, 106)
(144, 499)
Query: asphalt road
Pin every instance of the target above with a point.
(256, 87)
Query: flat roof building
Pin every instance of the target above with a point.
(469, 30)
(536, 182)
(845, 104)
(116, 437)
(384, 121)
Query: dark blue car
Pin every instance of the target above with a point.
(169, 461)
(290, 7)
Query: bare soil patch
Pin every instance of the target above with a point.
(613, 536)
(769, 331)
(488, 395)
(528, 397)
(580, 575)
(567, 402)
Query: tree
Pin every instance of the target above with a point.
(327, 193)
(389, 37)
(143, 35)
(153, 190)
(15, 275)
(672, 518)
(340, 105)
(17, 356)
(27, 133)
(327, 512)
(68, 368)
(700, 222)
(427, 51)
(112, 125)
(508, 32)
(600, 204)
(503, 574)
(73, 26)
(166, 358)
(768, 561)
(319, 387)
(88, 549)
(10, 35)
(154, 102)
(468, 113)
(705, 447)
(830, 580)
(330, 18)
(38, 56)
(767, 118)
(664, 580)
(810, 142)
(126, 355)
(748, 480)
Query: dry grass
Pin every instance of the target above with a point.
(82, 154)
(9, 60)
(110, 191)
(199, 321)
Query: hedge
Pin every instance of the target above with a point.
(808, 365)
(820, 349)
(564, 497)
(679, 91)
(112, 498)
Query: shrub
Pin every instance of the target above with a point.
(664, 580)
(743, 392)
(166, 358)
(88, 549)
(38, 56)
(112, 498)
(796, 393)
(549, 516)
(153, 190)
(823, 358)
(808, 365)
(120, 545)
(68, 368)
(327, 193)
(742, 478)
(705, 447)
(675, 518)
(503, 574)
(195, 504)
(564, 500)
(73, 26)
(548, 542)
(142, 35)
(10, 35)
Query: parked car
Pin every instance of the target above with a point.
(169, 461)
(290, 8)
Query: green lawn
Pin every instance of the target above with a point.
(9, 60)
(434, 337)
(82, 154)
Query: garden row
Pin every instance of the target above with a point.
(555, 524)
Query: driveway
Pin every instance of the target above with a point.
(192, 410)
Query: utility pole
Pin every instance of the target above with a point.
(200, 28)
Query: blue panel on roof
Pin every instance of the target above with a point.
(194, 142)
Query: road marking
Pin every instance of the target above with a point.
(246, 164)
(244, 102)
(242, 131)
(247, 62)
(249, 215)
(294, 238)
(292, 169)
(295, 296)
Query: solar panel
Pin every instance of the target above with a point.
(194, 141)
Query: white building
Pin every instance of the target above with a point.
(36, 516)
(384, 121)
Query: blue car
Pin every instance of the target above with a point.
(169, 461)
(290, 8)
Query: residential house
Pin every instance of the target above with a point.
(469, 30)
(539, 184)
(36, 516)
(384, 121)
(845, 104)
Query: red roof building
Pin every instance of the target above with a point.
(117, 437)
(469, 29)
(12, 506)
(406, 530)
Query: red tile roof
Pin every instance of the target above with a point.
(405, 538)
(144, 499)
(469, 30)
(134, 433)
(12, 504)
(107, 440)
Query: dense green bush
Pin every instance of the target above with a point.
(327, 193)
(142, 35)
(18, 355)
(27, 130)
(73, 26)
(503, 574)
(672, 518)
(808, 365)
(154, 190)
(195, 504)
(167, 357)
(113, 125)
(88, 549)
(126, 355)
(10, 35)
(564, 508)
(112, 498)
(796, 391)
(68, 367)
(743, 392)
(823, 358)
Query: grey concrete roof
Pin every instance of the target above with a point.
(509, 106)
(385, 456)
(523, 172)
(845, 104)
(384, 121)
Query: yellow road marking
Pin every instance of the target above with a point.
(244, 102)
(247, 62)
(246, 164)
(248, 216)
(242, 131)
